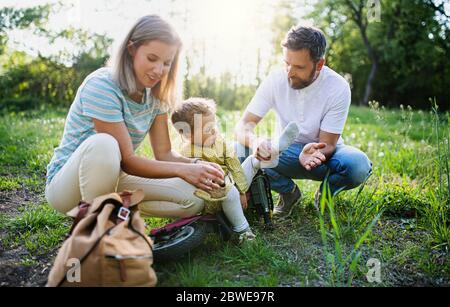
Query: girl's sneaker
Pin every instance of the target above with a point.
(246, 236)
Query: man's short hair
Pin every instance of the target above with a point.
(304, 37)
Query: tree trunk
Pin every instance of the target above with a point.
(358, 18)
(370, 78)
(373, 70)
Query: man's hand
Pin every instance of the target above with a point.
(311, 156)
(244, 203)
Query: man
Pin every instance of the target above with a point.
(318, 100)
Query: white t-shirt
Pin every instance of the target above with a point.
(323, 105)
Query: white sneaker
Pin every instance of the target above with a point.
(285, 140)
(246, 236)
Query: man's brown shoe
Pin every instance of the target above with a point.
(287, 202)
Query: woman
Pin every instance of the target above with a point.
(112, 112)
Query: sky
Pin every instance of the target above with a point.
(226, 35)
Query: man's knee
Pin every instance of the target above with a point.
(360, 169)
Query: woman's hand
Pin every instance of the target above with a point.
(203, 175)
(244, 203)
(215, 165)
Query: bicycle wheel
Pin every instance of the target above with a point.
(175, 245)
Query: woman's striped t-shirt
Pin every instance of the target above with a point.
(100, 97)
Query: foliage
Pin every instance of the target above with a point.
(410, 42)
(11, 18)
(44, 82)
(342, 265)
(410, 239)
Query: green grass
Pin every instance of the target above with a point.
(400, 217)
(38, 228)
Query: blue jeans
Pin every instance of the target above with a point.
(349, 167)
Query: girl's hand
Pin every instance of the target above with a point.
(244, 201)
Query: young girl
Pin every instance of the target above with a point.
(195, 120)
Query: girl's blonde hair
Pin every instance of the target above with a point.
(148, 28)
(186, 111)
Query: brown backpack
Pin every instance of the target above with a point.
(107, 246)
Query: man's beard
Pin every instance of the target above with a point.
(298, 84)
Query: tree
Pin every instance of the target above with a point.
(359, 16)
(39, 82)
(356, 12)
(283, 20)
(399, 60)
(12, 18)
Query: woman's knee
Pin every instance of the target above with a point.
(104, 150)
(62, 200)
(190, 206)
(195, 209)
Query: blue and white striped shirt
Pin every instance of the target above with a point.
(100, 97)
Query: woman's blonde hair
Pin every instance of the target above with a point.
(148, 28)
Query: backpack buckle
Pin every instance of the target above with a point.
(123, 214)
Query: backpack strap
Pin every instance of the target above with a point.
(83, 210)
(126, 198)
(124, 212)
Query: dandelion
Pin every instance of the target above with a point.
(380, 154)
(374, 104)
